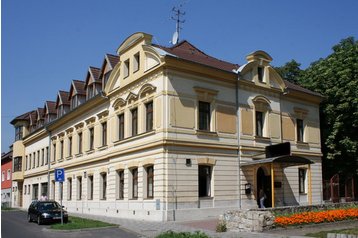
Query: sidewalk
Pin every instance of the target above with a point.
(152, 229)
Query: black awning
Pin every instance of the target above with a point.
(285, 161)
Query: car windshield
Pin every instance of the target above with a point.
(48, 205)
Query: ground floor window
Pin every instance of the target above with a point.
(90, 187)
(103, 186)
(150, 182)
(302, 175)
(69, 188)
(79, 188)
(52, 189)
(35, 192)
(204, 181)
(135, 183)
(120, 184)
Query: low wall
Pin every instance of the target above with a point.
(258, 220)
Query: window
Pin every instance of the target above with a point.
(150, 182)
(42, 157)
(35, 191)
(8, 174)
(38, 158)
(91, 139)
(25, 189)
(54, 152)
(260, 74)
(134, 122)
(134, 183)
(74, 102)
(80, 143)
(34, 160)
(18, 133)
(149, 116)
(69, 189)
(126, 69)
(17, 164)
(299, 128)
(61, 150)
(259, 123)
(3, 176)
(120, 184)
(136, 62)
(47, 155)
(43, 188)
(69, 146)
(103, 186)
(26, 162)
(104, 133)
(89, 91)
(302, 173)
(204, 181)
(79, 188)
(121, 126)
(204, 116)
(105, 79)
(90, 187)
(30, 161)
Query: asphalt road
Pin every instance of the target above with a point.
(15, 225)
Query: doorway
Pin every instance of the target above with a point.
(263, 182)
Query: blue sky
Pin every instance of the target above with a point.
(46, 44)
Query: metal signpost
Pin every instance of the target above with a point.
(60, 177)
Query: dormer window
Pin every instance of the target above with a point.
(74, 102)
(90, 93)
(126, 68)
(260, 74)
(105, 79)
(136, 62)
(18, 133)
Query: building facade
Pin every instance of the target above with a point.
(6, 173)
(171, 133)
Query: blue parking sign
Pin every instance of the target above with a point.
(59, 175)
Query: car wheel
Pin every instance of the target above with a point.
(29, 218)
(39, 222)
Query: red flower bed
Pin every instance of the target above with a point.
(317, 217)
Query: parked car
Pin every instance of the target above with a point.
(46, 211)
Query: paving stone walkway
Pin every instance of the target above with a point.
(152, 229)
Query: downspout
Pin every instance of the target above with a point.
(48, 162)
(238, 137)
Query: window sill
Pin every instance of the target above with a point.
(69, 157)
(303, 193)
(207, 133)
(151, 198)
(262, 139)
(90, 151)
(206, 198)
(53, 162)
(137, 136)
(103, 199)
(60, 160)
(103, 147)
(119, 199)
(79, 155)
(133, 199)
(302, 144)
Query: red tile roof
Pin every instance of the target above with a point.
(64, 97)
(22, 117)
(79, 86)
(50, 106)
(292, 86)
(95, 73)
(112, 59)
(40, 112)
(187, 51)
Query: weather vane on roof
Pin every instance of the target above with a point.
(177, 14)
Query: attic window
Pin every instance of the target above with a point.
(260, 74)
(136, 62)
(126, 68)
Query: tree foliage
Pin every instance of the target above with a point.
(290, 71)
(335, 77)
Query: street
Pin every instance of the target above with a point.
(15, 225)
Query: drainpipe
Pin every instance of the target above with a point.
(48, 162)
(238, 137)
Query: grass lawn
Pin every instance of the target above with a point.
(323, 234)
(80, 223)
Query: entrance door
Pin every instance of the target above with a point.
(263, 183)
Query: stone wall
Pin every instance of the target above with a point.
(248, 220)
(258, 220)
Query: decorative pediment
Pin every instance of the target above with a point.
(131, 97)
(261, 103)
(120, 102)
(146, 89)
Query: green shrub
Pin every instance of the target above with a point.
(221, 226)
(172, 234)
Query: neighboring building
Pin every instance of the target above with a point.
(171, 133)
(6, 167)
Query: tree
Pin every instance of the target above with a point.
(290, 71)
(336, 77)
